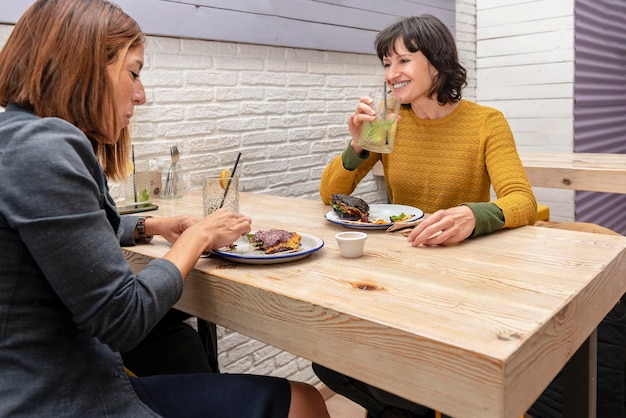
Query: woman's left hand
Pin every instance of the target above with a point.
(169, 228)
(447, 226)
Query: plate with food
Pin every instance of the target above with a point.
(354, 212)
(270, 247)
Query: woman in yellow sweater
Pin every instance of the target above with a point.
(447, 152)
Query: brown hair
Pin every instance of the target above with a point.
(428, 34)
(55, 63)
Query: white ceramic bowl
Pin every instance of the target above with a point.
(351, 244)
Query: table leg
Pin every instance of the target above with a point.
(208, 334)
(580, 381)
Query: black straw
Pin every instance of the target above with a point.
(385, 111)
(232, 174)
(385, 100)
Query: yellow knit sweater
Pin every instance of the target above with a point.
(441, 163)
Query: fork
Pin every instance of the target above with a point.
(170, 182)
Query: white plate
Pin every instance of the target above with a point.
(378, 211)
(248, 254)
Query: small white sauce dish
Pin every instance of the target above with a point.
(351, 244)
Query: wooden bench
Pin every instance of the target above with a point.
(576, 171)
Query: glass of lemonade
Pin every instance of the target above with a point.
(137, 186)
(379, 134)
(215, 191)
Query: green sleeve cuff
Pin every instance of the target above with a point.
(351, 160)
(489, 218)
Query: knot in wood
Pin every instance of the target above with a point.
(366, 286)
(508, 335)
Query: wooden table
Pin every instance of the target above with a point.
(474, 330)
(576, 171)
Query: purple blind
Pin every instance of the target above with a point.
(600, 99)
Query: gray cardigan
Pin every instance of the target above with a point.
(69, 301)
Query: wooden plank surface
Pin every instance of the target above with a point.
(474, 330)
(576, 171)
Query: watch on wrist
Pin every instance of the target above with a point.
(141, 230)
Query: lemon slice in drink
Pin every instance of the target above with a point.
(224, 176)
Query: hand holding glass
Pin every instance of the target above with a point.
(379, 134)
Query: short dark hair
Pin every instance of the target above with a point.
(431, 36)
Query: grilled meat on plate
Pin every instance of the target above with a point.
(276, 240)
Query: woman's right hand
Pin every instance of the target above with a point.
(219, 229)
(363, 112)
(224, 227)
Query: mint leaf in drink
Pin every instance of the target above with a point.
(376, 132)
(144, 196)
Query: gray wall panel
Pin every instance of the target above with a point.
(333, 25)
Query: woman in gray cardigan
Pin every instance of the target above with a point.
(69, 302)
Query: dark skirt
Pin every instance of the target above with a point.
(206, 395)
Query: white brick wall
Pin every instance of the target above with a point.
(285, 109)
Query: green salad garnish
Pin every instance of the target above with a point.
(400, 218)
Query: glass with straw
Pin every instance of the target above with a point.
(378, 135)
(137, 185)
(221, 191)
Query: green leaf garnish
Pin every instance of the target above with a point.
(400, 218)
